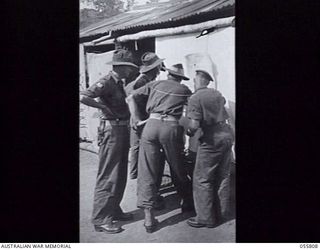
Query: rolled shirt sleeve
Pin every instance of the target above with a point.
(143, 91)
(97, 89)
(194, 110)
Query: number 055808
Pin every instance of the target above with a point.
(308, 245)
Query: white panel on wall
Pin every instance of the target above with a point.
(214, 52)
(97, 66)
(202, 61)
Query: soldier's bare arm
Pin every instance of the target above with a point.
(91, 102)
(133, 109)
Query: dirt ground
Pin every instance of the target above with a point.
(172, 228)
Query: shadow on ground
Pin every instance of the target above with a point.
(171, 203)
(172, 223)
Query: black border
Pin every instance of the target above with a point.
(277, 72)
(40, 184)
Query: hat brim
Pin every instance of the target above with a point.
(206, 73)
(145, 69)
(177, 74)
(123, 64)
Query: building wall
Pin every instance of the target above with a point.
(214, 52)
(81, 67)
(83, 132)
(97, 68)
(97, 65)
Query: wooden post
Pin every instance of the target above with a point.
(86, 67)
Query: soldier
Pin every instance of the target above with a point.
(162, 131)
(206, 111)
(113, 139)
(150, 69)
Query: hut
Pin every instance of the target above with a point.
(196, 33)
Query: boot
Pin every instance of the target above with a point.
(187, 205)
(150, 223)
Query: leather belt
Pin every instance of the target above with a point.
(163, 117)
(216, 127)
(116, 122)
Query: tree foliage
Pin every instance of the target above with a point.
(102, 9)
(106, 7)
(130, 4)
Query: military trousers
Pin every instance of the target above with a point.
(157, 135)
(211, 176)
(135, 136)
(112, 173)
(134, 153)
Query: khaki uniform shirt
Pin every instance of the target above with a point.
(164, 97)
(109, 91)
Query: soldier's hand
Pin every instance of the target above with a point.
(190, 133)
(135, 124)
(141, 123)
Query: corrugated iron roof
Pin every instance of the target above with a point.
(152, 14)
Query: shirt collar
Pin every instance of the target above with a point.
(203, 87)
